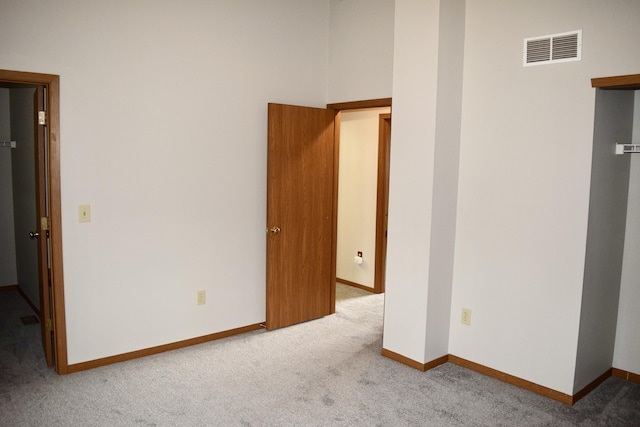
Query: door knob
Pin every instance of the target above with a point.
(34, 235)
(273, 230)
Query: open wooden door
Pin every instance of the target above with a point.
(300, 214)
(382, 202)
(42, 233)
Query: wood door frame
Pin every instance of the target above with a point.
(41, 211)
(380, 255)
(52, 83)
(626, 82)
(382, 202)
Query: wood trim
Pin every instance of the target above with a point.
(382, 202)
(625, 375)
(436, 362)
(355, 105)
(22, 294)
(77, 367)
(28, 301)
(402, 359)
(627, 82)
(591, 386)
(334, 220)
(52, 82)
(44, 278)
(23, 77)
(412, 363)
(55, 226)
(513, 380)
(518, 382)
(355, 285)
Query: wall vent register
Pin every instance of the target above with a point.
(554, 48)
(627, 148)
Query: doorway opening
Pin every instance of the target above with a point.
(302, 210)
(46, 222)
(366, 124)
(363, 185)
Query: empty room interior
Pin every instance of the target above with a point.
(513, 227)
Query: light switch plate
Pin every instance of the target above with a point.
(84, 213)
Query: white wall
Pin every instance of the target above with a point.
(360, 49)
(525, 167)
(8, 272)
(626, 355)
(357, 194)
(163, 133)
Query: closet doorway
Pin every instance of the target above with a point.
(47, 230)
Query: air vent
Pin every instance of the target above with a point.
(553, 48)
(627, 148)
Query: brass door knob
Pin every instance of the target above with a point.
(273, 230)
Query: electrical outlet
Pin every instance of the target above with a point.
(466, 316)
(202, 297)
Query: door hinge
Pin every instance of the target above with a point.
(49, 325)
(44, 223)
(42, 117)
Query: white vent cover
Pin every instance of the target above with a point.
(553, 48)
(627, 148)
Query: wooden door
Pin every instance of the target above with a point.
(42, 231)
(382, 202)
(300, 214)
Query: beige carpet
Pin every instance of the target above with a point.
(327, 372)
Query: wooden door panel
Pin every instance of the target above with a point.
(41, 212)
(300, 177)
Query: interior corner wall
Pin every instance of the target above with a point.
(605, 236)
(24, 191)
(524, 182)
(411, 180)
(8, 272)
(357, 194)
(445, 188)
(626, 354)
(360, 50)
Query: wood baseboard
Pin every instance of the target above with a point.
(625, 375)
(77, 367)
(24, 296)
(510, 379)
(412, 363)
(31, 304)
(591, 386)
(355, 285)
(518, 382)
